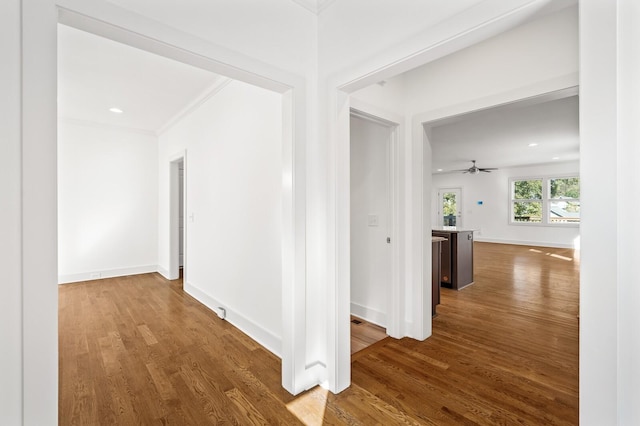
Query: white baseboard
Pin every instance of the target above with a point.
(163, 272)
(314, 374)
(106, 273)
(368, 314)
(264, 337)
(524, 243)
(408, 328)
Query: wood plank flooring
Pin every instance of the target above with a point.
(364, 334)
(138, 350)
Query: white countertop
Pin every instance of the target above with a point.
(450, 229)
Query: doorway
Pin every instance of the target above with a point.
(450, 207)
(177, 235)
(371, 229)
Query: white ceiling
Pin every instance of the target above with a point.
(500, 137)
(95, 74)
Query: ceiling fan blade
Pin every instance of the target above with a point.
(488, 168)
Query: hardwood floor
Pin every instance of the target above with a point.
(364, 334)
(138, 350)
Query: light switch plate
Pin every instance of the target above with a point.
(373, 220)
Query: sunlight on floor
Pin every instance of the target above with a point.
(309, 407)
(557, 256)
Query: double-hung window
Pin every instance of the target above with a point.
(545, 200)
(564, 200)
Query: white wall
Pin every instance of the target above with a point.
(389, 95)
(277, 32)
(541, 55)
(609, 320)
(233, 173)
(537, 57)
(107, 202)
(29, 367)
(11, 385)
(34, 60)
(370, 196)
(628, 298)
(491, 219)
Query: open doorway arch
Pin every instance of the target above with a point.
(295, 376)
(177, 186)
(417, 163)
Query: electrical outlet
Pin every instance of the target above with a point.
(95, 276)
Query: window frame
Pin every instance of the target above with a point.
(545, 201)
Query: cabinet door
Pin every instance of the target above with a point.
(435, 276)
(464, 259)
(445, 257)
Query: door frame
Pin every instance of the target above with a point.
(459, 205)
(132, 30)
(395, 293)
(174, 214)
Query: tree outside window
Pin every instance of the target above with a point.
(564, 200)
(545, 200)
(527, 201)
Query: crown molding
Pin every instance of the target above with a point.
(314, 6)
(207, 94)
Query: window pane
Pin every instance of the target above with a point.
(449, 205)
(565, 188)
(564, 211)
(527, 212)
(527, 189)
(449, 208)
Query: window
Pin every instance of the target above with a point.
(527, 201)
(545, 201)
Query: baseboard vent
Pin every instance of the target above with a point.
(222, 313)
(355, 321)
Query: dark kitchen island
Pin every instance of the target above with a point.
(456, 269)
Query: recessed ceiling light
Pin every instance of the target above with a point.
(439, 170)
(116, 110)
(555, 158)
(533, 144)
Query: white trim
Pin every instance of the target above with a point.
(264, 337)
(460, 202)
(563, 86)
(545, 201)
(196, 103)
(118, 24)
(395, 291)
(524, 243)
(123, 26)
(107, 273)
(314, 6)
(369, 314)
(163, 272)
(477, 23)
(174, 213)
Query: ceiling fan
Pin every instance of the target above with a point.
(474, 170)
